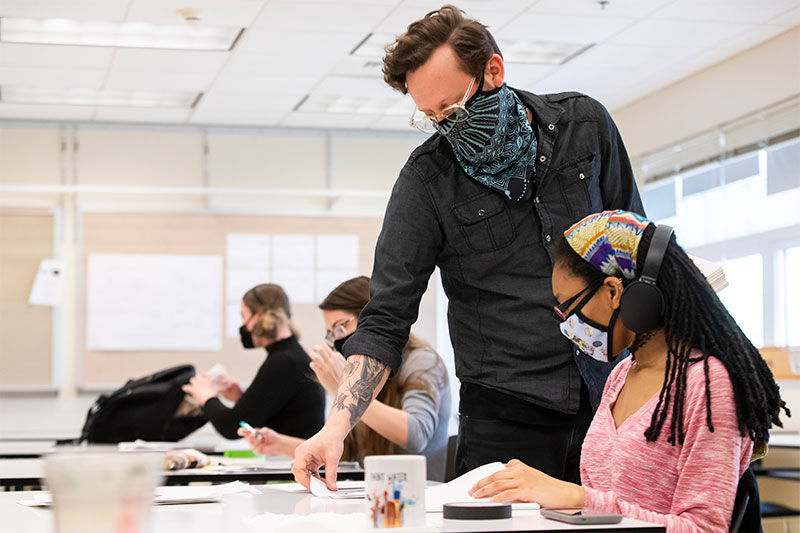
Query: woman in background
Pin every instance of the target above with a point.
(410, 415)
(679, 419)
(284, 394)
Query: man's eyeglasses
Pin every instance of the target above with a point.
(338, 331)
(432, 123)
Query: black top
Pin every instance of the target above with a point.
(283, 396)
(496, 255)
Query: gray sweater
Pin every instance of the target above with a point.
(428, 415)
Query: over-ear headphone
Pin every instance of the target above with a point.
(642, 304)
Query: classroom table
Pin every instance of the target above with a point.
(26, 474)
(784, 439)
(226, 516)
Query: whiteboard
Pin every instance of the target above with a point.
(154, 302)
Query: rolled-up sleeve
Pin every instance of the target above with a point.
(405, 257)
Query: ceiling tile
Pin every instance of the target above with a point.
(52, 77)
(45, 112)
(788, 18)
(164, 70)
(230, 13)
(616, 8)
(744, 11)
(563, 28)
(45, 55)
(130, 114)
(323, 120)
(523, 76)
(357, 18)
(668, 33)
(73, 9)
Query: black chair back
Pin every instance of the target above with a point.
(746, 517)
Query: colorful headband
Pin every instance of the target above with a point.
(609, 241)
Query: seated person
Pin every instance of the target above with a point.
(284, 394)
(410, 415)
(679, 419)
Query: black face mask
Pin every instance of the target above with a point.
(338, 344)
(247, 337)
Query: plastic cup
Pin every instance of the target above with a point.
(102, 492)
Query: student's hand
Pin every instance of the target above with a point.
(266, 445)
(328, 365)
(200, 388)
(229, 389)
(520, 482)
(323, 449)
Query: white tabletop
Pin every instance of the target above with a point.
(226, 516)
(784, 440)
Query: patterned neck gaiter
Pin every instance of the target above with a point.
(496, 145)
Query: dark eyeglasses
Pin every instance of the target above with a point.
(562, 308)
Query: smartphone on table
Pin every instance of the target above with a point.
(581, 515)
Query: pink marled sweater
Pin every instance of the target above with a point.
(689, 487)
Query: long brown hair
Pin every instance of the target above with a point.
(352, 296)
(270, 300)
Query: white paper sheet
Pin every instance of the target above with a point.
(248, 250)
(291, 252)
(327, 280)
(238, 281)
(46, 289)
(337, 252)
(298, 284)
(457, 490)
(321, 490)
(154, 302)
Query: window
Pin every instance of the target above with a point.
(744, 297)
(792, 271)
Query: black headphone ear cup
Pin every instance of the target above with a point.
(641, 307)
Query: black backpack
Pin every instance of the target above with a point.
(142, 409)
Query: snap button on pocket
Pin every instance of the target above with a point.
(481, 212)
(581, 176)
(542, 158)
(551, 127)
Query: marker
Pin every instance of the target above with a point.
(250, 428)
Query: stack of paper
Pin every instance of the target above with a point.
(713, 273)
(457, 490)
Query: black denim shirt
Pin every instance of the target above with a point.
(496, 255)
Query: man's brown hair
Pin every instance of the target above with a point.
(470, 40)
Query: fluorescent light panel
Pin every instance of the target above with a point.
(348, 105)
(533, 52)
(91, 97)
(120, 34)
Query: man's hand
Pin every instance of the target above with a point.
(328, 366)
(323, 449)
(362, 379)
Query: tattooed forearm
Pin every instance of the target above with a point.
(362, 375)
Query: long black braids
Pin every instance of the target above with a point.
(695, 320)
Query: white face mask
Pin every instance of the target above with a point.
(593, 339)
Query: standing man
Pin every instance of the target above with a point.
(484, 200)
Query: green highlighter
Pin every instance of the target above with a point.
(244, 453)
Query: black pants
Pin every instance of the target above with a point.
(548, 440)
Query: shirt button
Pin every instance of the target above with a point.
(548, 238)
(481, 212)
(542, 158)
(551, 127)
(536, 200)
(581, 176)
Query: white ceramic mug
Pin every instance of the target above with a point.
(102, 491)
(395, 487)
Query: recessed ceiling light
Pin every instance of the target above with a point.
(91, 97)
(349, 105)
(120, 34)
(533, 52)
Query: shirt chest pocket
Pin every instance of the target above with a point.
(485, 222)
(576, 180)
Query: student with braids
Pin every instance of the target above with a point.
(679, 419)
